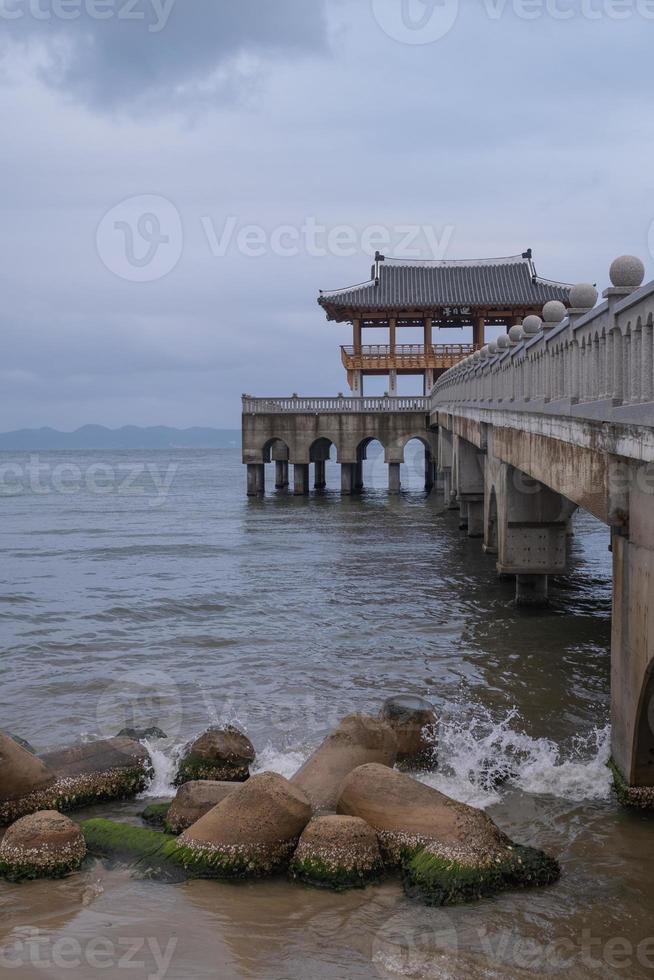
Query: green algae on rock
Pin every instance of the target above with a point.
(447, 851)
(42, 845)
(337, 852)
(636, 797)
(254, 830)
(219, 754)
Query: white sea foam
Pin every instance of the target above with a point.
(479, 757)
(165, 755)
(286, 763)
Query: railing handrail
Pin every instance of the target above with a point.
(408, 349)
(339, 404)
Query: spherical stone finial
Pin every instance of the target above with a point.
(476, 356)
(554, 312)
(583, 296)
(516, 335)
(503, 341)
(485, 352)
(532, 325)
(627, 271)
(492, 347)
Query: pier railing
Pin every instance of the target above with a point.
(596, 364)
(380, 356)
(302, 406)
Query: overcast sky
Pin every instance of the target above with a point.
(180, 177)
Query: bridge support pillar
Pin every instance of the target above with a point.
(444, 463)
(632, 649)
(469, 464)
(463, 515)
(256, 479)
(394, 482)
(347, 478)
(281, 474)
(430, 471)
(358, 476)
(528, 523)
(475, 518)
(300, 479)
(320, 477)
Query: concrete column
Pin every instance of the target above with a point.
(430, 474)
(394, 485)
(428, 381)
(531, 590)
(300, 479)
(256, 479)
(392, 383)
(632, 647)
(357, 384)
(475, 519)
(347, 478)
(320, 477)
(281, 474)
(358, 476)
(463, 515)
(449, 497)
(647, 364)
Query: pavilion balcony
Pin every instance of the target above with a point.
(404, 357)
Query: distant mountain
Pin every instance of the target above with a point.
(129, 437)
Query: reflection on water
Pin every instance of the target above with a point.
(282, 615)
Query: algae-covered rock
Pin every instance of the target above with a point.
(414, 722)
(337, 852)
(21, 773)
(219, 754)
(193, 800)
(155, 814)
(357, 740)
(42, 845)
(142, 734)
(449, 852)
(80, 775)
(24, 744)
(254, 830)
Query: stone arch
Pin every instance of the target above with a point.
(363, 445)
(320, 450)
(275, 450)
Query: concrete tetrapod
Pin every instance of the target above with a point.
(448, 852)
(357, 740)
(219, 754)
(414, 722)
(337, 852)
(253, 831)
(42, 845)
(193, 800)
(82, 774)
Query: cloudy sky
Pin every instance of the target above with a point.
(180, 177)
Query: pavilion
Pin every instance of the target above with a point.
(463, 294)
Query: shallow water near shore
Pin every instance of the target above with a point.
(193, 605)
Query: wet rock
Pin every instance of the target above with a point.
(253, 831)
(41, 845)
(24, 744)
(357, 740)
(21, 773)
(155, 814)
(142, 734)
(193, 800)
(449, 852)
(414, 722)
(90, 772)
(220, 754)
(337, 852)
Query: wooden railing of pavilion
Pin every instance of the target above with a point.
(385, 357)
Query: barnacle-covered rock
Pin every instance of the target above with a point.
(42, 845)
(219, 754)
(337, 852)
(414, 722)
(83, 774)
(21, 773)
(448, 851)
(357, 740)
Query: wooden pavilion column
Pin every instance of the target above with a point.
(392, 334)
(356, 336)
(479, 332)
(428, 335)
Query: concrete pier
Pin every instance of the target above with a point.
(320, 477)
(347, 478)
(300, 479)
(281, 474)
(394, 482)
(256, 479)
